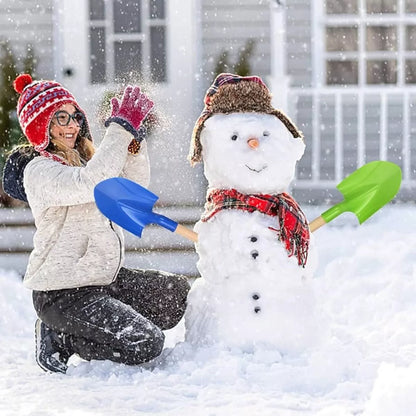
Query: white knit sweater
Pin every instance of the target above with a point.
(74, 244)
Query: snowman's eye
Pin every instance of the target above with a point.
(266, 133)
(234, 137)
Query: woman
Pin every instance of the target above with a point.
(87, 303)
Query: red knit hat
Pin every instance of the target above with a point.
(38, 102)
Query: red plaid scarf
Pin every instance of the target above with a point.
(293, 226)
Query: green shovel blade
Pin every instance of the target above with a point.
(366, 190)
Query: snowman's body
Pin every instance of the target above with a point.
(251, 292)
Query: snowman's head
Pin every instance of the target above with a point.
(244, 142)
(250, 152)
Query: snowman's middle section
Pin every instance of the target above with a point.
(252, 293)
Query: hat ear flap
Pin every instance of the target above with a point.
(195, 151)
(288, 123)
(298, 147)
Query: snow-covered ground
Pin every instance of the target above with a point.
(366, 365)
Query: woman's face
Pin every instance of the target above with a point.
(66, 134)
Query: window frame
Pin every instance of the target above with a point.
(400, 20)
(143, 37)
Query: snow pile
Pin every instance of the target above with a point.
(366, 365)
(394, 391)
(15, 306)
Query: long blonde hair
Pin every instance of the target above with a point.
(80, 154)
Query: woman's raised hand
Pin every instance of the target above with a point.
(133, 107)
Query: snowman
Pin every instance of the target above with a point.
(256, 257)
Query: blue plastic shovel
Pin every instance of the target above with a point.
(130, 206)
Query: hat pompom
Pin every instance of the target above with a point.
(21, 82)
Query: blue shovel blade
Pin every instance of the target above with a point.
(129, 205)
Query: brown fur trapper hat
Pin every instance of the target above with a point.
(231, 93)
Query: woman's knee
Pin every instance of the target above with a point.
(143, 346)
(177, 295)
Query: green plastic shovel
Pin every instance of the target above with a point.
(365, 191)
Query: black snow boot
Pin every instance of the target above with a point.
(52, 349)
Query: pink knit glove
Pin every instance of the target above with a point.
(131, 111)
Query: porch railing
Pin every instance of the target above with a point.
(362, 123)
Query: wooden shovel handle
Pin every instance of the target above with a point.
(316, 223)
(193, 236)
(187, 233)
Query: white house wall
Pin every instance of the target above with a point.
(172, 178)
(344, 128)
(342, 131)
(26, 21)
(299, 37)
(226, 25)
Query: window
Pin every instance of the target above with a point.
(370, 42)
(127, 40)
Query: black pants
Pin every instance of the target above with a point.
(122, 322)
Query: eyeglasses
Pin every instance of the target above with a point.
(64, 118)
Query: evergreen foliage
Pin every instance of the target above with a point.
(8, 97)
(242, 66)
(10, 132)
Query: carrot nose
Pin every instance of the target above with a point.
(253, 142)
